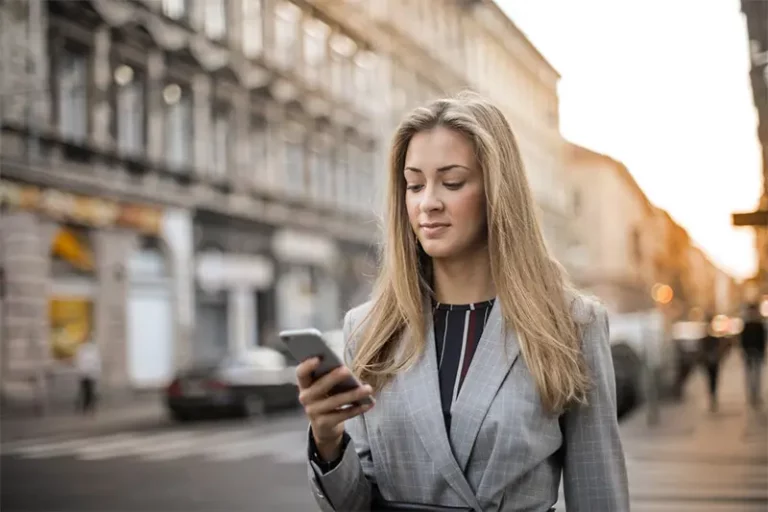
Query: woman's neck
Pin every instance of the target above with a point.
(464, 280)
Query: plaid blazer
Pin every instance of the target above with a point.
(503, 452)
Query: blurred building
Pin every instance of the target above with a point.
(756, 15)
(182, 179)
(637, 257)
(429, 48)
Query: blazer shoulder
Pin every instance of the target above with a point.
(355, 316)
(353, 320)
(585, 308)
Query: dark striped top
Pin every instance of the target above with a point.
(457, 333)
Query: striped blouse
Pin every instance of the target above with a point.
(457, 332)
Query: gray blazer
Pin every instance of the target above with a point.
(503, 453)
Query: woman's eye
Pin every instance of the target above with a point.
(413, 188)
(453, 186)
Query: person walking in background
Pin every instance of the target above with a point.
(753, 346)
(711, 352)
(88, 365)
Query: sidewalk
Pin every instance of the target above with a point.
(694, 457)
(141, 411)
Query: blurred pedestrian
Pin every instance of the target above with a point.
(88, 365)
(711, 350)
(753, 340)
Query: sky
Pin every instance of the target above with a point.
(663, 86)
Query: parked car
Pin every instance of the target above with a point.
(246, 385)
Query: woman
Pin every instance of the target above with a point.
(491, 377)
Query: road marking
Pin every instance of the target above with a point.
(283, 446)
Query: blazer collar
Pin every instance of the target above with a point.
(492, 361)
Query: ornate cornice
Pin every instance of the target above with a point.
(170, 36)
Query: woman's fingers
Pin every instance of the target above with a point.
(322, 387)
(332, 403)
(304, 372)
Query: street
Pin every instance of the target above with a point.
(693, 460)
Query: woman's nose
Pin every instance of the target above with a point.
(430, 200)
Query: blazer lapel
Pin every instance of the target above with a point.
(495, 355)
(422, 392)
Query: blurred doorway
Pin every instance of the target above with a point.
(150, 316)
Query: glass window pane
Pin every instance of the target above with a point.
(215, 18)
(130, 116)
(287, 17)
(294, 166)
(178, 132)
(72, 90)
(258, 151)
(175, 8)
(253, 28)
(221, 143)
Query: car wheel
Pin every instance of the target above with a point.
(253, 406)
(180, 416)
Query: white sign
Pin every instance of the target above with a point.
(304, 248)
(216, 271)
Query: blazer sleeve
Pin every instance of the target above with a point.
(594, 468)
(347, 487)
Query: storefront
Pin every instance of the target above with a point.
(308, 292)
(80, 268)
(234, 295)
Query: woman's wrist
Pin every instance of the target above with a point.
(329, 451)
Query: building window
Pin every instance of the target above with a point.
(342, 82)
(259, 156)
(215, 18)
(221, 140)
(253, 28)
(342, 175)
(178, 125)
(328, 191)
(176, 9)
(130, 110)
(287, 16)
(72, 89)
(320, 174)
(315, 45)
(294, 165)
(315, 179)
(364, 69)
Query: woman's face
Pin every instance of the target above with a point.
(445, 195)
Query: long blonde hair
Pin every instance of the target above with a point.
(531, 286)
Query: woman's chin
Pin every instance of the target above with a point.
(438, 249)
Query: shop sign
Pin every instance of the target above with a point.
(89, 211)
(216, 271)
(303, 248)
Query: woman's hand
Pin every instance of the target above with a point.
(324, 411)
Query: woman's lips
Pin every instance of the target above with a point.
(434, 230)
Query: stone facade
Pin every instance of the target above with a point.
(333, 77)
(638, 246)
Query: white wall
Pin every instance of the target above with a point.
(179, 235)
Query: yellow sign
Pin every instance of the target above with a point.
(71, 320)
(67, 247)
(90, 211)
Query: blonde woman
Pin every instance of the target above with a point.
(491, 376)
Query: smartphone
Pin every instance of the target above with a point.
(308, 343)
